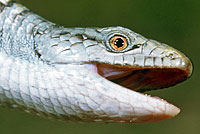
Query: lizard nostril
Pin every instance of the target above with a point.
(172, 55)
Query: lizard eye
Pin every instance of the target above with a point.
(118, 42)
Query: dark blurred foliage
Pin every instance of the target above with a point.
(175, 22)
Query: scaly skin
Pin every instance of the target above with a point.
(50, 70)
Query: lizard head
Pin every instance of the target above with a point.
(125, 58)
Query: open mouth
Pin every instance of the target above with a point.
(142, 79)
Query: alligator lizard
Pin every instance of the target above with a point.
(84, 74)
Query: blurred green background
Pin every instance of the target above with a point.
(175, 22)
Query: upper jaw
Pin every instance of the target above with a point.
(152, 66)
(170, 57)
(166, 57)
(166, 65)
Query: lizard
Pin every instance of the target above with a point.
(84, 74)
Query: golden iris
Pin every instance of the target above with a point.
(118, 43)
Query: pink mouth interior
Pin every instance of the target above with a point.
(140, 78)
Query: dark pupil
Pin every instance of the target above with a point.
(119, 42)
